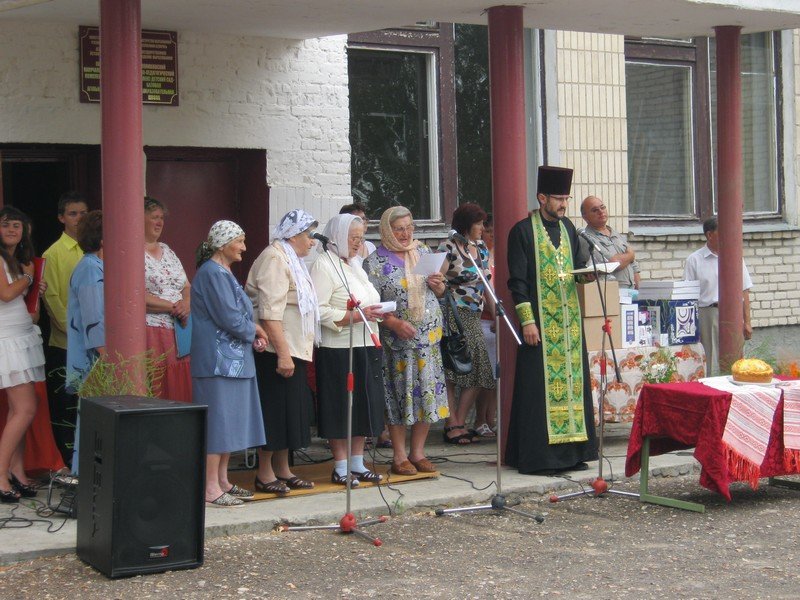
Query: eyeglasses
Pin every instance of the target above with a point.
(407, 228)
(560, 198)
(356, 238)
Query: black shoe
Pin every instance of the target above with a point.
(581, 466)
(367, 476)
(546, 472)
(26, 491)
(342, 479)
(9, 497)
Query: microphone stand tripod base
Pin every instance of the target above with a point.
(599, 487)
(347, 524)
(498, 503)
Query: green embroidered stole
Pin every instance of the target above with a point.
(562, 336)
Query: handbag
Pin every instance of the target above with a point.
(455, 352)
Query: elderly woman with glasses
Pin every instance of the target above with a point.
(412, 362)
(282, 291)
(337, 274)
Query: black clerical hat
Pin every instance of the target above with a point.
(555, 181)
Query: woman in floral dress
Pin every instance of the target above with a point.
(168, 299)
(412, 361)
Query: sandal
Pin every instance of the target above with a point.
(367, 476)
(24, 490)
(273, 487)
(460, 440)
(483, 431)
(241, 493)
(342, 479)
(295, 483)
(387, 443)
(225, 501)
(9, 497)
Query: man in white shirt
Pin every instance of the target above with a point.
(703, 266)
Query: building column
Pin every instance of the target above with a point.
(730, 201)
(122, 165)
(509, 166)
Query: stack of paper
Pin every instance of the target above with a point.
(628, 295)
(669, 290)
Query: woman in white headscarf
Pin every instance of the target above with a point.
(337, 274)
(282, 292)
(223, 372)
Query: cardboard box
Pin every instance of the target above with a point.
(593, 332)
(590, 300)
(629, 324)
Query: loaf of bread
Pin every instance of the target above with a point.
(751, 370)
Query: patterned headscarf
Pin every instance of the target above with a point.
(221, 233)
(337, 230)
(294, 223)
(410, 255)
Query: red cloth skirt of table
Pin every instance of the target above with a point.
(678, 416)
(41, 453)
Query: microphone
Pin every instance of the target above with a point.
(586, 238)
(454, 236)
(321, 238)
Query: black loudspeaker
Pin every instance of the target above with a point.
(141, 496)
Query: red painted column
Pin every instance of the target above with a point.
(730, 202)
(509, 166)
(123, 192)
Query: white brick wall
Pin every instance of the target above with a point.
(286, 96)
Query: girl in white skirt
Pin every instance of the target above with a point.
(21, 354)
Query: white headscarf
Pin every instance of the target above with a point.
(294, 223)
(337, 230)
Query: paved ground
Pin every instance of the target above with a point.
(588, 547)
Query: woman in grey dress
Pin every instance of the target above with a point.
(223, 372)
(412, 362)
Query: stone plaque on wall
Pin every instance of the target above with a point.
(159, 66)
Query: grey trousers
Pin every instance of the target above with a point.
(709, 337)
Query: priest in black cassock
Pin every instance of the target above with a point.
(552, 419)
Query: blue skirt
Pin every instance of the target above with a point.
(234, 413)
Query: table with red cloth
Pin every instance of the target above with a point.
(41, 452)
(677, 416)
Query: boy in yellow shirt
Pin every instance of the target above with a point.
(61, 258)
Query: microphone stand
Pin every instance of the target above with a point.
(498, 501)
(348, 523)
(599, 486)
